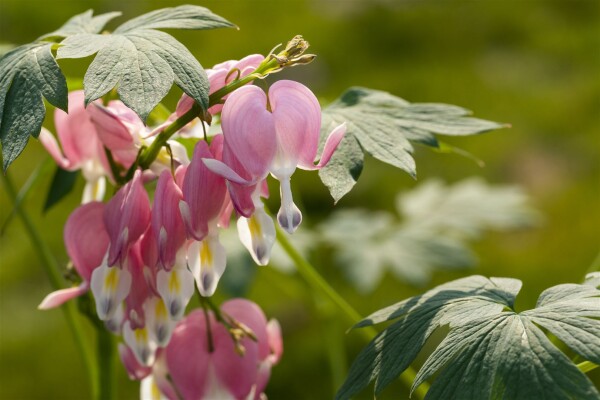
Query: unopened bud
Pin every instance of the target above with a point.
(296, 47)
(294, 53)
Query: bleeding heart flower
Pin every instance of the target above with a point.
(219, 76)
(205, 205)
(274, 134)
(81, 147)
(204, 361)
(87, 241)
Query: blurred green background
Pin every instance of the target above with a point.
(533, 64)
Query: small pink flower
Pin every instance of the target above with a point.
(219, 76)
(274, 134)
(203, 208)
(81, 147)
(87, 241)
(167, 224)
(199, 371)
(126, 218)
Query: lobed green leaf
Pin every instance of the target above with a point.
(82, 23)
(28, 74)
(384, 126)
(490, 352)
(143, 63)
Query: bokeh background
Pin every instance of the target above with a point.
(534, 64)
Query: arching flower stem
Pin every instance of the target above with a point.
(292, 55)
(52, 269)
(318, 283)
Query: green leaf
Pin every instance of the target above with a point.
(142, 62)
(490, 351)
(182, 17)
(385, 125)
(62, 184)
(437, 222)
(28, 74)
(82, 23)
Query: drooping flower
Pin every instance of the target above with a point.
(81, 147)
(274, 134)
(204, 203)
(219, 76)
(205, 362)
(126, 218)
(123, 133)
(87, 241)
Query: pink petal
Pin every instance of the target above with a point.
(264, 374)
(240, 194)
(184, 105)
(86, 238)
(236, 373)
(187, 355)
(126, 218)
(113, 133)
(135, 370)
(59, 297)
(125, 114)
(220, 168)
(331, 144)
(167, 224)
(203, 193)
(77, 134)
(249, 130)
(139, 291)
(252, 316)
(249, 63)
(297, 118)
(180, 175)
(149, 248)
(275, 341)
(51, 145)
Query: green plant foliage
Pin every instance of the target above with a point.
(437, 221)
(62, 183)
(384, 126)
(142, 62)
(28, 74)
(82, 23)
(490, 351)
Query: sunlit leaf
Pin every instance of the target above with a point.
(142, 62)
(437, 220)
(490, 351)
(28, 74)
(82, 23)
(384, 126)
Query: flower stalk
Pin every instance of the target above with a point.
(317, 282)
(291, 56)
(52, 269)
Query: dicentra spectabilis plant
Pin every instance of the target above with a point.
(148, 234)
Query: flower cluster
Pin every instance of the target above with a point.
(140, 258)
(212, 359)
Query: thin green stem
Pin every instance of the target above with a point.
(595, 266)
(32, 181)
(314, 279)
(105, 353)
(150, 154)
(52, 269)
(587, 366)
